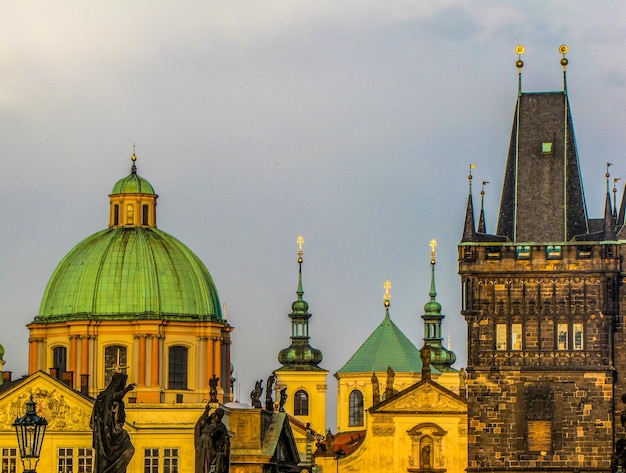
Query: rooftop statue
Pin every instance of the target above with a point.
(111, 442)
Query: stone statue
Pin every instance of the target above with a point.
(283, 400)
(212, 442)
(375, 389)
(255, 395)
(269, 402)
(391, 374)
(213, 389)
(425, 356)
(330, 443)
(425, 464)
(111, 442)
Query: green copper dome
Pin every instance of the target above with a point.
(133, 184)
(128, 273)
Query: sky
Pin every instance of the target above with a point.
(351, 123)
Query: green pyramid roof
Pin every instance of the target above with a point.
(386, 346)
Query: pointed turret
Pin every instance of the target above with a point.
(300, 355)
(609, 221)
(469, 227)
(542, 196)
(482, 227)
(440, 357)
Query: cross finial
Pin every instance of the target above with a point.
(433, 250)
(300, 241)
(387, 286)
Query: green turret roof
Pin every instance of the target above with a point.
(386, 346)
(133, 183)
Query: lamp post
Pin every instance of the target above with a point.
(30, 430)
(339, 454)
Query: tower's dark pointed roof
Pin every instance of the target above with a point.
(542, 196)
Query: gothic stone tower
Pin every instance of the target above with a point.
(540, 298)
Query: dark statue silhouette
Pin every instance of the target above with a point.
(212, 442)
(111, 442)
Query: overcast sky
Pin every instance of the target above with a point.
(350, 122)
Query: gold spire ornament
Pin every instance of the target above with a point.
(300, 242)
(387, 296)
(563, 50)
(519, 49)
(433, 251)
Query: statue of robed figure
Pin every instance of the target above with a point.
(212, 442)
(111, 442)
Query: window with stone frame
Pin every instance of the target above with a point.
(301, 403)
(170, 460)
(115, 360)
(65, 460)
(84, 460)
(578, 336)
(177, 367)
(59, 360)
(426, 448)
(516, 336)
(501, 330)
(151, 460)
(9, 460)
(562, 336)
(355, 408)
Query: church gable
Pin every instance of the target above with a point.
(64, 408)
(424, 397)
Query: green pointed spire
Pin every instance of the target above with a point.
(440, 357)
(300, 356)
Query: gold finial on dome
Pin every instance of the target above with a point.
(387, 296)
(133, 158)
(433, 251)
(300, 242)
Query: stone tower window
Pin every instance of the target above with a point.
(563, 335)
(301, 403)
(516, 336)
(501, 337)
(355, 408)
(578, 333)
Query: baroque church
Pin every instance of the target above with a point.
(540, 295)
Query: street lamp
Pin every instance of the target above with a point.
(30, 430)
(339, 454)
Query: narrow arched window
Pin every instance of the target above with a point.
(355, 410)
(115, 361)
(301, 403)
(130, 214)
(177, 367)
(144, 214)
(59, 362)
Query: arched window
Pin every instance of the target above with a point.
(177, 368)
(355, 410)
(59, 362)
(144, 214)
(114, 361)
(301, 403)
(130, 214)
